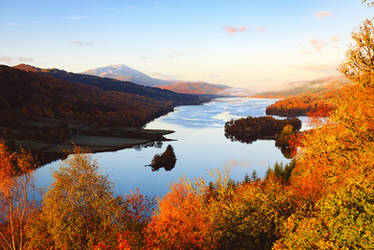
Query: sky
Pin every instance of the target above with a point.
(253, 44)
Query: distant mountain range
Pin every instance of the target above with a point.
(125, 73)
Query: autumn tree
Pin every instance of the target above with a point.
(359, 63)
(79, 209)
(17, 201)
(182, 220)
(140, 210)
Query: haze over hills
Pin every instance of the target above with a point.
(311, 87)
(306, 97)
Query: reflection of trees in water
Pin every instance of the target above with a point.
(284, 148)
(157, 144)
(166, 160)
(286, 151)
(242, 139)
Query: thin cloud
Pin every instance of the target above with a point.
(25, 59)
(6, 59)
(318, 45)
(77, 18)
(322, 14)
(261, 29)
(82, 43)
(233, 30)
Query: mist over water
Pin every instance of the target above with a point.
(200, 147)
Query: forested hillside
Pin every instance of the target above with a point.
(121, 86)
(26, 95)
(306, 98)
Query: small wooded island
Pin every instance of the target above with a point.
(251, 129)
(166, 160)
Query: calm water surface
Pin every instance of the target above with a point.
(200, 148)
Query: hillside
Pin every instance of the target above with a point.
(306, 88)
(110, 84)
(195, 88)
(29, 94)
(306, 98)
(124, 73)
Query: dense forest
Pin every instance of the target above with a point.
(26, 95)
(325, 200)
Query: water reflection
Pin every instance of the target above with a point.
(215, 114)
(199, 144)
(285, 150)
(156, 144)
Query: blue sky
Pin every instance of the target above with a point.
(250, 44)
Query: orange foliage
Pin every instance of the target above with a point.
(302, 106)
(181, 222)
(340, 149)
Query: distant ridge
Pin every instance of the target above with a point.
(124, 73)
(306, 98)
(303, 88)
(195, 88)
